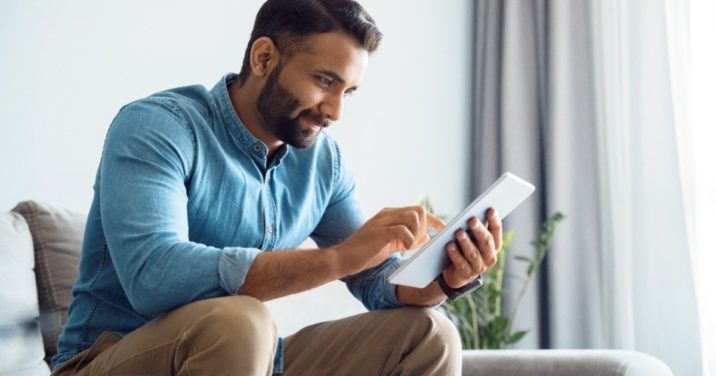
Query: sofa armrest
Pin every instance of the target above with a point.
(562, 362)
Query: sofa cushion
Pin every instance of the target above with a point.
(57, 238)
(562, 362)
(21, 349)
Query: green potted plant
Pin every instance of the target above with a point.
(479, 316)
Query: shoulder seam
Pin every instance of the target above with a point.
(179, 112)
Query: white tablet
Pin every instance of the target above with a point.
(430, 260)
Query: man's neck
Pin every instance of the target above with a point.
(243, 99)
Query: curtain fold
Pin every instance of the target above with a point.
(533, 116)
(499, 81)
(577, 96)
(641, 110)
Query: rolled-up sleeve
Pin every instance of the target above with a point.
(342, 218)
(146, 162)
(234, 264)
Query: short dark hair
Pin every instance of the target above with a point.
(289, 22)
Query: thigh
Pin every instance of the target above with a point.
(158, 347)
(372, 343)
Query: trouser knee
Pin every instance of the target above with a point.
(437, 329)
(236, 322)
(432, 341)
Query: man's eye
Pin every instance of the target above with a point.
(324, 81)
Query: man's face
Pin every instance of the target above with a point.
(304, 93)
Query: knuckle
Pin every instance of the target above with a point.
(415, 214)
(397, 231)
(407, 230)
(492, 260)
(420, 210)
(415, 218)
(464, 266)
(491, 241)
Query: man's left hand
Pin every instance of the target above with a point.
(474, 251)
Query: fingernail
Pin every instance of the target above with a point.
(451, 247)
(461, 235)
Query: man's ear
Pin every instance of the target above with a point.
(264, 56)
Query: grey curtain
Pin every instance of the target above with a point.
(534, 116)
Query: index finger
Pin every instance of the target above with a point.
(435, 222)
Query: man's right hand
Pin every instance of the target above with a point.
(391, 230)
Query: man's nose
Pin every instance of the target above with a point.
(332, 106)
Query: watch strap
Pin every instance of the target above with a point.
(452, 293)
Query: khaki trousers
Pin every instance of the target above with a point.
(236, 336)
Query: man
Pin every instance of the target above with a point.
(202, 196)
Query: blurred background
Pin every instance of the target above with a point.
(607, 106)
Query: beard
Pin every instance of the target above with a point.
(275, 104)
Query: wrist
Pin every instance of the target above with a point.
(437, 291)
(428, 296)
(335, 263)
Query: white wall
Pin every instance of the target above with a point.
(67, 67)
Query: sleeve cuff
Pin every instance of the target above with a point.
(389, 290)
(234, 264)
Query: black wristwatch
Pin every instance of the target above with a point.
(452, 293)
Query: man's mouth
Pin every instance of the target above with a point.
(315, 122)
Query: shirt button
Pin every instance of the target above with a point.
(257, 148)
(269, 229)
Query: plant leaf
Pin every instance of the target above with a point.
(531, 269)
(516, 337)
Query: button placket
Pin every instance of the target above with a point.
(269, 230)
(270, 210)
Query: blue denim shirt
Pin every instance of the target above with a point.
(185, 199)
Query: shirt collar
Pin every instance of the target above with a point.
(244, 139)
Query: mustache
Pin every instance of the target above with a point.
(315, 118)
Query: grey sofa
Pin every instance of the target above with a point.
(40, 250)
